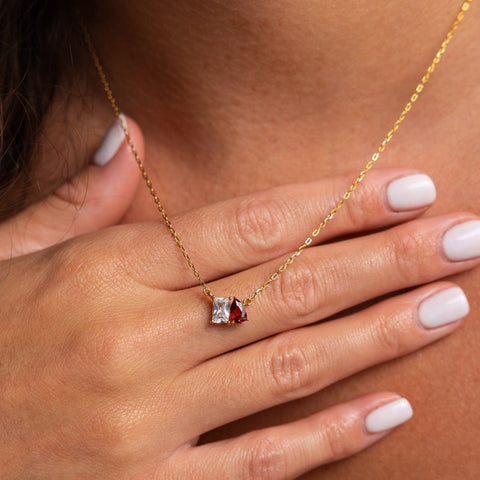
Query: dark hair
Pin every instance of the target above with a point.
(37, 39)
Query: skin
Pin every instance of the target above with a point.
(280, 99)
(269, 91)
(106, 372)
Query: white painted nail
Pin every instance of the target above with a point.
(462, 242)
(444, 307)
(410, 192)
(389, 416)
(111, 143)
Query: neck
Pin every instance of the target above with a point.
(221, 84)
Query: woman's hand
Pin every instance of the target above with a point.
(109, 367)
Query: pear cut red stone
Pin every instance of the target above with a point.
(238, 313)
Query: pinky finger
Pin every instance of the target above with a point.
(287, 451)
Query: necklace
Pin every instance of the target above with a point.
(231, 310)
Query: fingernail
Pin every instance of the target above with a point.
(444, 307)
(111, 143)
(389, 416)
(462, 242)
(410, 192)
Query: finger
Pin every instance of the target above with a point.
(287, 451)
(97, 197)
(330, 278)
(239, 233)
(299, 362)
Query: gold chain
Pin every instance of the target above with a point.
(249, 300)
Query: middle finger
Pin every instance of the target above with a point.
(328, 279)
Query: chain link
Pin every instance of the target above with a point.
(309, 240)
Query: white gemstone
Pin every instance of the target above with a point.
(221, 310)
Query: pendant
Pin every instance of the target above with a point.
(228, 311)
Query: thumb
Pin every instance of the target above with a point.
(97, 197)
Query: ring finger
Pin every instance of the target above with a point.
(300, 362)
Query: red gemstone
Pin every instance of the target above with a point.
(238, 313)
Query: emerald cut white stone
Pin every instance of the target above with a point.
(221, 310)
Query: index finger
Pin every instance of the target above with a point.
(239, 233)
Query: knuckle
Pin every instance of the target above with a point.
(266, 458)
(288, 368)
(362, 205)
(387, 335)
(260, 222)
(337, 439)
(73, 192)
(85, 267)
(75, 258)
(406, 249)
(298, 293)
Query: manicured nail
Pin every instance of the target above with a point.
(389, 416)
(111, 143)
(444, 307)
(410, 192)
(462, 242)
